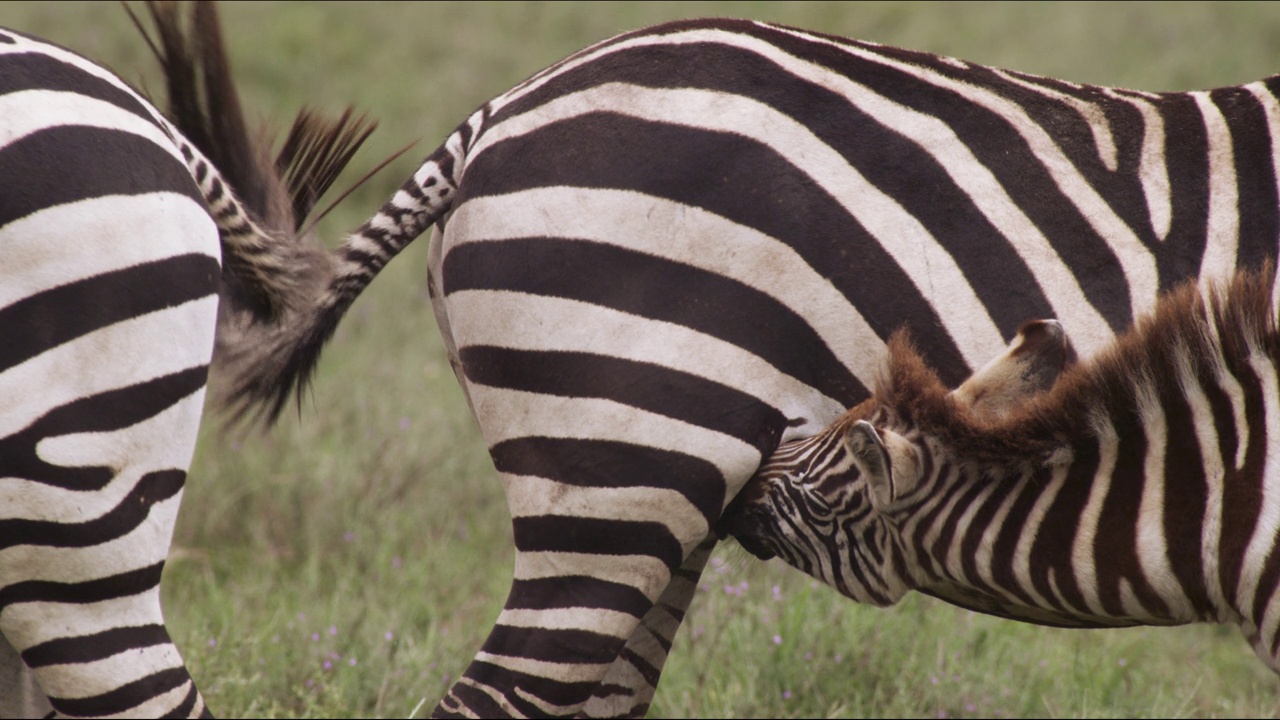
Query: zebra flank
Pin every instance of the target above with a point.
(1138, 490)
(661, 257)
(114, 231)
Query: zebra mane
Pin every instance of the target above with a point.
(1193, 332)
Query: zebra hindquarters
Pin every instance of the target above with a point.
(615, 465)
(108, 307)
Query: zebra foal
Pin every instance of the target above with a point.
(1141, 489)
(116, 230)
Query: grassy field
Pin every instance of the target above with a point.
(351, 562)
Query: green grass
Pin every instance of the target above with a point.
(378, 515)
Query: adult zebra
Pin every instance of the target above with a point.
(664, 255)
(1140, 489)
(113, 227)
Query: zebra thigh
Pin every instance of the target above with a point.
(608, 500)
(108, 307)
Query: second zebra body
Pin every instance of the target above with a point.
(668, 253)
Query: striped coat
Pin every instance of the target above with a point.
(663, 256)
(1140, 489)
(115, 234)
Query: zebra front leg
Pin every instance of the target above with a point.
(629, 686)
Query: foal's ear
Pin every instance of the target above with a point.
(1031, 364)
(887, 460)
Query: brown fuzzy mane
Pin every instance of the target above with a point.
(1181, 331)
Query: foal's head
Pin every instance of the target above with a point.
(826, 503)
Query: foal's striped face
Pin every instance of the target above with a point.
(811, 505)
(831, 504)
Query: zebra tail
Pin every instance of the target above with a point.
(270, 266)
(270, 363)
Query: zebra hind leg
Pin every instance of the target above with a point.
(632, 680)
(80, 601)
(102, 384)
(571, 626)
(566, 621)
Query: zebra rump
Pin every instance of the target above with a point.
(117, 235)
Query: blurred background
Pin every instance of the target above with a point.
(351, 562)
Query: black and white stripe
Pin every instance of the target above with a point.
(112, 231)
(668, 253)
(108, 300)
(1140, 490)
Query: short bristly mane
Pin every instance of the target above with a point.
(1191, 334)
